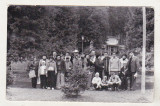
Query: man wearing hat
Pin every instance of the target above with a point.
(77, 63)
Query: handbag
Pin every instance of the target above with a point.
(32, 74)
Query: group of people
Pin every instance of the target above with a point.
(104, 71)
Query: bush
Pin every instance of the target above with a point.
(77, 83)
(9, 74)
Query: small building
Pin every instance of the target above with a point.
(113, 46)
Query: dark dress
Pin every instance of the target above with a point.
(33, 65)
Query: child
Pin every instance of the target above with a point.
(42, 73)
(51, 69)
(105, 83)
(96, 81)
(114, 81)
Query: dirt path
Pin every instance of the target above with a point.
(29, 94)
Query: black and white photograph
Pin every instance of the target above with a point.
(80, 53)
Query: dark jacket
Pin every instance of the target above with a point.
(61, 66)
(134, 65)
(106, 64)
(98, 66)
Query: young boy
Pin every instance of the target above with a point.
(96, 81)
(114, 81)
(105, 83)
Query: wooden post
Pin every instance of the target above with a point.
(143, 53)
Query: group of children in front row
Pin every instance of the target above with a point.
(114, 82)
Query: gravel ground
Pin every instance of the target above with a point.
(29, 94)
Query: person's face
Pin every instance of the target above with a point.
(87, 56)
(44, 57)
(92, 53)
(99, 57)
(105, 77)
(62, 57)
(54, 54)
(97, 75)
(58, 57)
(76, 55)
(113, 74)
(124, 57)
(114, 55)
(34, 59)
(130, 54)
(106, 54)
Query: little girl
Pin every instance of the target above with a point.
(42, 73)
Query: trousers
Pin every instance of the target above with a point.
(51, 79)
(34, 82)
(60, 80)
(43, 81)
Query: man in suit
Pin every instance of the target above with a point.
(133, 68)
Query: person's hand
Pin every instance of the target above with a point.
(135, 75)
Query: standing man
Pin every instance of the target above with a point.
(114, 64)
(133, 68)
(68, 68)
(54, 56)
(99, 66)
(122, 75)
(92, 61)
(77, 63)
(106, 65)
(60, 72)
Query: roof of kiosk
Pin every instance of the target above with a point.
(112, 41)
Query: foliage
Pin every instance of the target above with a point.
(134, 29)
(77, 83)
(40, 30)
(10, 76)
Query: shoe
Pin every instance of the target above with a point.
(48, 87)
(52, 88)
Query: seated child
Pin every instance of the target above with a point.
(96, 81)
(105, 83)
(114, 81)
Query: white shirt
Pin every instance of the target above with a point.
(42, 70)
(93, 59)
(123, 62)
(96, 80)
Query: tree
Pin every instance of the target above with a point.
(134, 30)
